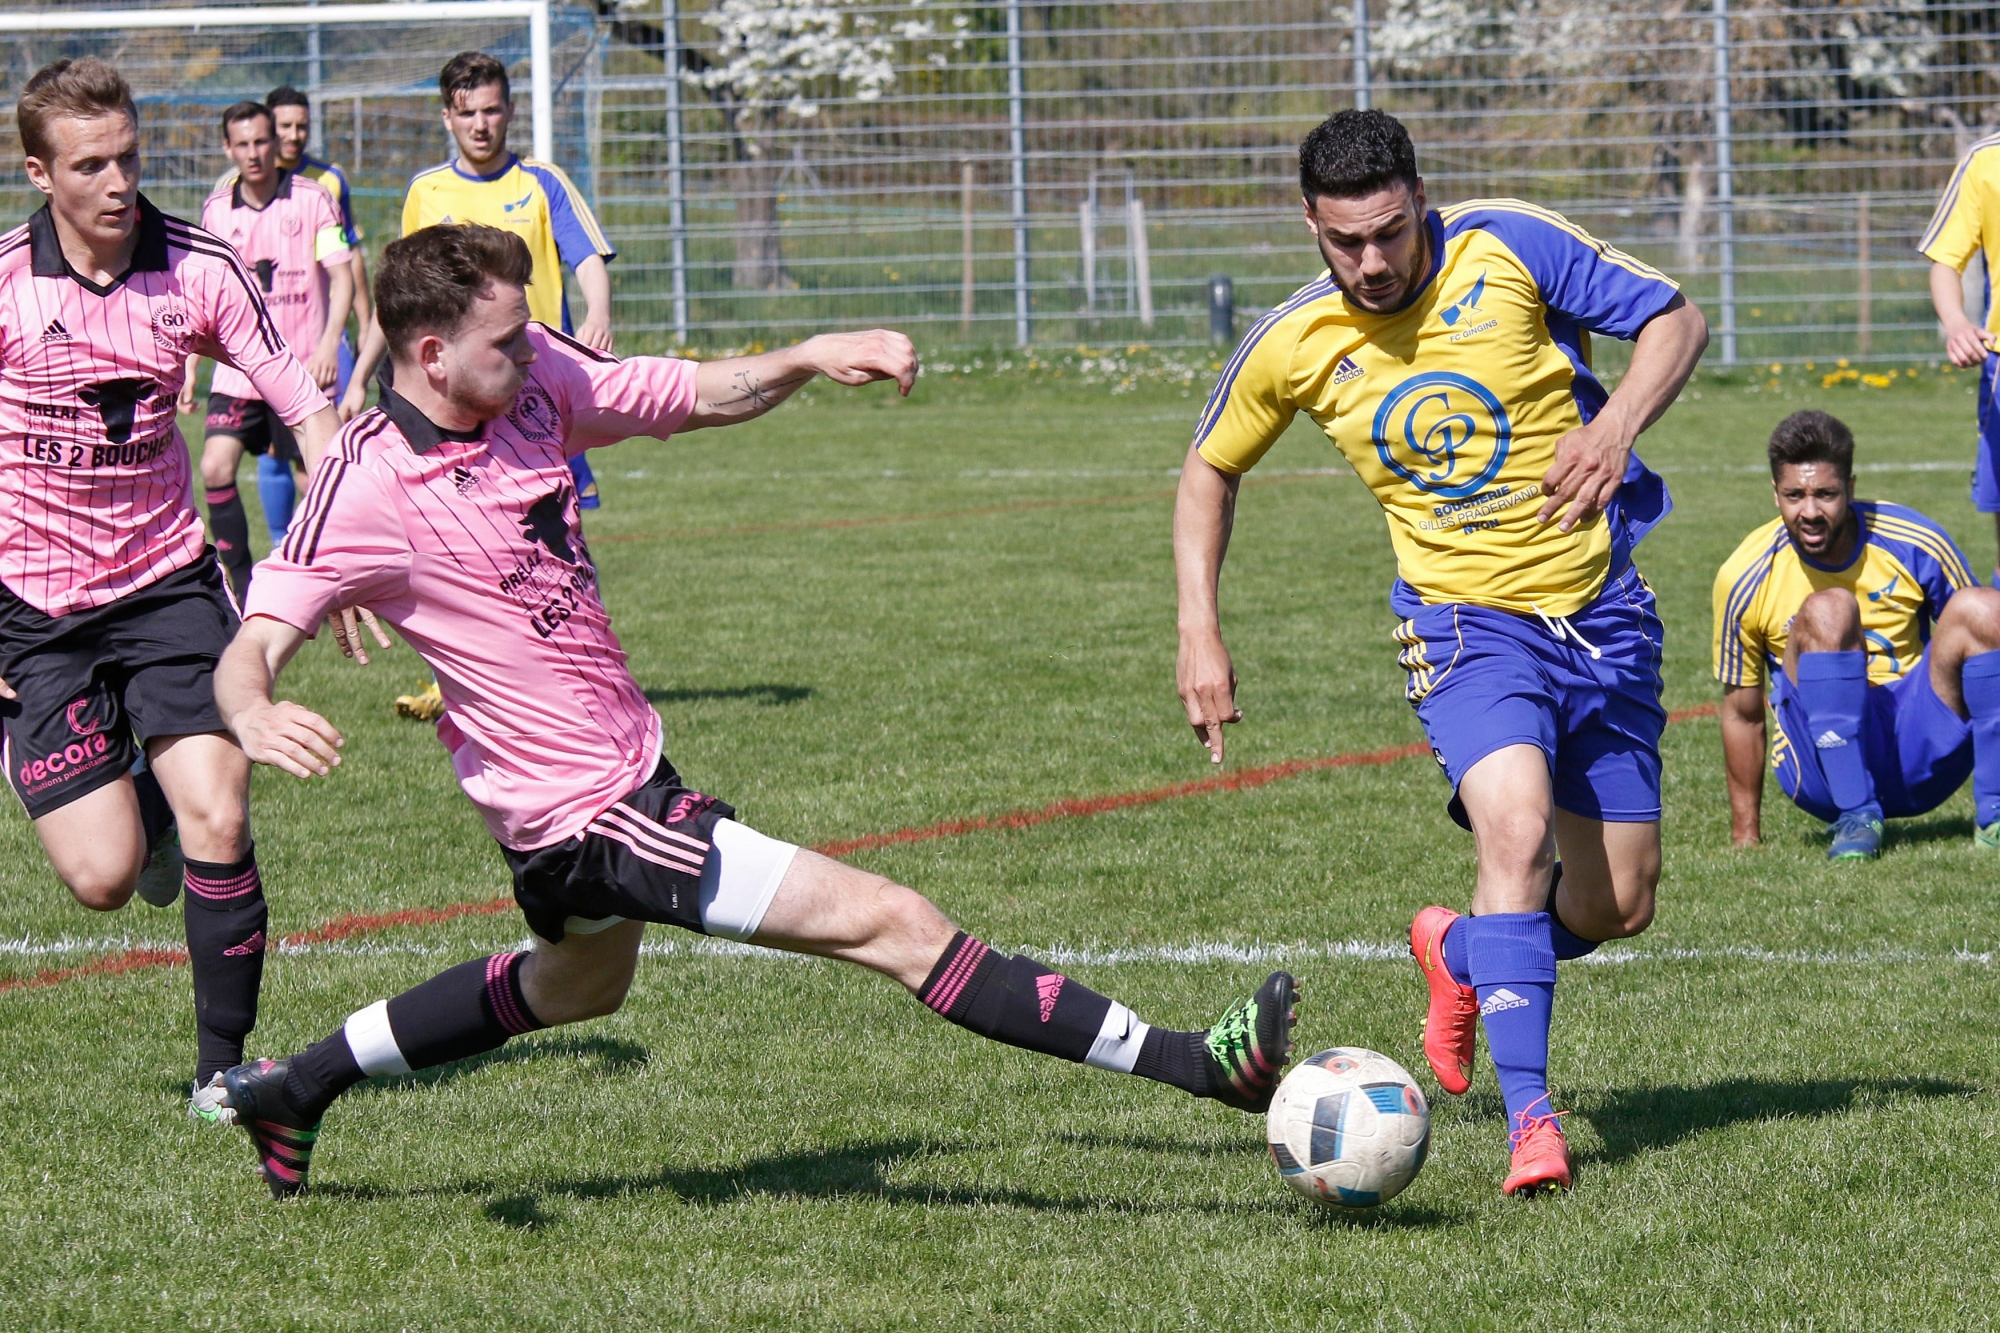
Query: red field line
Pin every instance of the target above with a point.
(346, 927)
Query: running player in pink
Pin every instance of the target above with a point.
(112, 609)
(290, 231)
(451, 510)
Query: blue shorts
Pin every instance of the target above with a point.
(1919, 752)
(1481, 679)
(1986, 462)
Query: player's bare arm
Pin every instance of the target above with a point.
(1743, 749)
(745, 387)
(1204, 512)
(1590, 460)
(594, 276)
(184, 400)
(1964, 342)
(324, 364)
(373, 348)
(280, 733)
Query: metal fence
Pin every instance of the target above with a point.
(1036, 172)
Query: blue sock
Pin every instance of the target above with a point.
(1834, 689)
(1514, 975)
(586, 483)
(1454, 953)
(278, 493)
(1980, 679)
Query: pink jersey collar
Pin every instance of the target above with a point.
(420, 431)
(284, 191)
(48, 260)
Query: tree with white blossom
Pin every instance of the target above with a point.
(773, 60)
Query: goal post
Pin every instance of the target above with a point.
(536, 12)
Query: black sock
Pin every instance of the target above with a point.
(154, 812)
(462, 1011)
(230, 527)
(226, 917)
(1015, 1000)
(320, 1073)
(1568, 944)
(1176, 1058)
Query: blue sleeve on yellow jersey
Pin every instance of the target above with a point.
(1923, 548)
(1599, 287)
(577, 238)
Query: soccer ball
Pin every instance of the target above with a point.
(1347, 1127)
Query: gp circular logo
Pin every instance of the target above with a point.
(1444, 433)
(534, 415)
(173, 328)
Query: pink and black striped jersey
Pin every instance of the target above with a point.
(470, 544)
(94, 483)
(287, 243)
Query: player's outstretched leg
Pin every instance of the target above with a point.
(228, 524)
(784, 898)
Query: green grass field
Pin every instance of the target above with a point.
(865, 614)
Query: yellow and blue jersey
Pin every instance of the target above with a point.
(1903, 571)
(1450, 408)
(532, 199)
(1967, 220)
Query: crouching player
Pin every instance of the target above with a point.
(450, 509)
(1881, 652)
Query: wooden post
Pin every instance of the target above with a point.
(1867, 284)
(965, 293)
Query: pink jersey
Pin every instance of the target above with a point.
(287, 244)
(94, 498)
(472, 547)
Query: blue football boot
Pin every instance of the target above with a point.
(1857, 835)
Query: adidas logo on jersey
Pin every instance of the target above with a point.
(463, 479)
(1347, 370)
(1502, 1000)
(1829, 740)
(55, 332)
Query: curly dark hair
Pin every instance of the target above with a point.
(1353, 153)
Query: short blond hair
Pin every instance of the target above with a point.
(79, 89)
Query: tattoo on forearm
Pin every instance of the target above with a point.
(754, 393)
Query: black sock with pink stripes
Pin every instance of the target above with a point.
(229, 526)
(463, 1011)
(226, 917)
(1014, 1000)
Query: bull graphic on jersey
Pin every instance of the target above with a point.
(115, 401)
(265, 268)
(547, 525)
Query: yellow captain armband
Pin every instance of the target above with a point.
(331, 241)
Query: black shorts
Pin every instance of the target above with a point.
(91, 682)
(642, 859)
(252, 421)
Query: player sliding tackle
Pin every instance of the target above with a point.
(450, 510)
(1446, 355)
(1881, 651)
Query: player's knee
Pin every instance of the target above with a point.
(1975, 612)
(102, 888)
(220, 831)
(217, 472)
(1827, 621)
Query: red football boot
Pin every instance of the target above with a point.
(1451, 1028)
(1541, 1154)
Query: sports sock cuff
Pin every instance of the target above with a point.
(1568, 944)
(504, 995)
(1120, 1038)
(214, 884)
(1847, 664)
(958, 975)
(221, 495)
(1510, 947)
(371, 1042)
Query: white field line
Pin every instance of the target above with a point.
(1086, 955)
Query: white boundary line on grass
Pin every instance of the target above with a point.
(1062, 955)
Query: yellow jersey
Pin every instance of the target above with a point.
(1450, 408)
(1967, 220)
(330, 177)
(532, 199)
(1903, 570)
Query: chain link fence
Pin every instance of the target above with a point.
(1022, 171)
